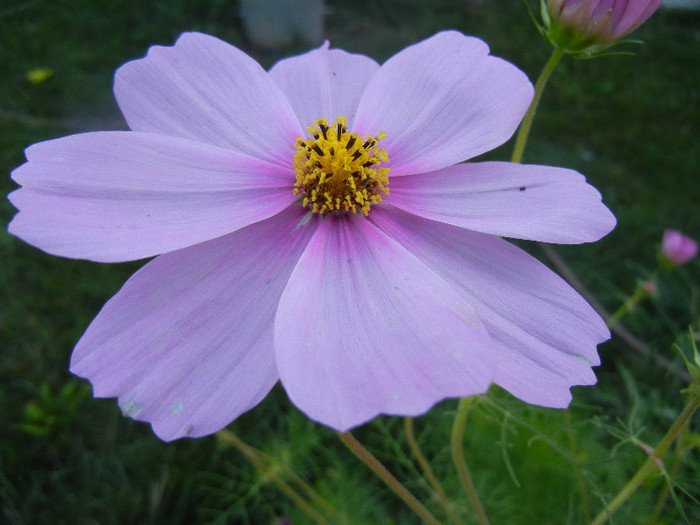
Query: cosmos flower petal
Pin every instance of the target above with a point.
(540, 203)
(634, 13)
(206, 90)
(545, 334)
(365, 328)
(187, 343)
(442, 101)
(117, 196)
(324, 83)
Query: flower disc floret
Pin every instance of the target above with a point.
(338, 170)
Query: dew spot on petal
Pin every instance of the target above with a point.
(583, 360)
(130, 409)
(303, 221)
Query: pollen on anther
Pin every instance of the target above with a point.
(339, 171)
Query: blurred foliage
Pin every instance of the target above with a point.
(629, 123)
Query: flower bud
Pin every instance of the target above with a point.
(677, 248)
(591, 26)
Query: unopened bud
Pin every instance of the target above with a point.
(677, 248)
(587, 27)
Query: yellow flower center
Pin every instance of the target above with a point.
(338, 170)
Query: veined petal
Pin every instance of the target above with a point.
(629, 15)
(544, 333)
(117, 196)
(365, 328)
(324, 83)
(442, 101)
(531, 202)
(208, 91)
(187, 343)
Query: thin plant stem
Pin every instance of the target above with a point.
(427, 470)
(528, 119)
(576, 457)
(651, 462)
(640, 293)
(231, 438)
(387, 477)
(526, 124)
(681, 449)
(461, 463)
(262, 462)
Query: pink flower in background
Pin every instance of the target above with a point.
(580, 25)
(313, 224)
(677, 248)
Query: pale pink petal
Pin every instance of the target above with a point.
(442, 101)
(187, 343)
(545, 334)
(540, 203)
(117, 196)
(630, 14)
(206, 90)
(365, 328)
(324, 83)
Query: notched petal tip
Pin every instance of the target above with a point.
(544, 333)
(532, 202)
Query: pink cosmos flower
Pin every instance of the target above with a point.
(677, 248)
(313, 224)
(577, 25)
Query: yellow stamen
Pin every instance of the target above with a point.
(338, 170)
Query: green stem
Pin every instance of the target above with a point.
(632, 301)
(262, 462)
(640, 293)
(681, 448)
(577, 458)
(427, 470)
(649, 464)
(461, 463)
(526, 124)
(387, 477)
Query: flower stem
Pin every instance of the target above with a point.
(461, 463)
(387, 477)
(427, 470)
(640, 293)
(263, 462)
(577, 459)
(630, 303)
(649, 464)
(526, 124)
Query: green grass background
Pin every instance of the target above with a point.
(631, 124)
